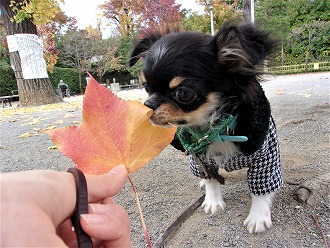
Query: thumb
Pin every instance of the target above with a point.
(109, 184)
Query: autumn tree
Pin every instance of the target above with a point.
(194, 21)
(132, 16)
(223, 10)
(160, 14)
(76, 52)
(122, 13)
(49, 31)
(79, 49)
(106, 60)
(21, 17)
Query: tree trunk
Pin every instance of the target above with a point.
(31, 92)
(307, 51)
(282, 54)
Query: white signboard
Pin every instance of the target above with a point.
(30, 50)
(12, 43)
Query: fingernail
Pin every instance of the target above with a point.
(118, 169)
(99, 209)
(93, 218)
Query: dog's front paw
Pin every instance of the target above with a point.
(213, 197)
(259, 218)
(213, 205)
(257, 223)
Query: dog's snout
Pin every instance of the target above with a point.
(154, 101)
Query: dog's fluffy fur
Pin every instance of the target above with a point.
(196, 79)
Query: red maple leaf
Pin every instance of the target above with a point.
(112, 132)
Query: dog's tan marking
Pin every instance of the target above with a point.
(175, 82)
(168, 113)
(201, 115)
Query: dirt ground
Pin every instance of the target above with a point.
(166, 186)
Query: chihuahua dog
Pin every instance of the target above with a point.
(209, 87)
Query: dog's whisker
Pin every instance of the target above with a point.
(171, 124)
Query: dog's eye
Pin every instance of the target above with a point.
(185, 95)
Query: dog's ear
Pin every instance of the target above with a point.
(241, 48)
(142, 46)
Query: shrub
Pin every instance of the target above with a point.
(7, 79)
(122, 77)
(68, 75)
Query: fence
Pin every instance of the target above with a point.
(292, 69)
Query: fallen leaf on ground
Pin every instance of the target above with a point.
(33, 122)
(50, 127)
(27, 135)
(305, 95)
(69, 116)
(52, 148)
(44, 109)
(112, 132)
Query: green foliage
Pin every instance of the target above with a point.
(275, 15)
(197, 22)
(124, 50)
(312, 38)
(122, 77)
(68, 75)
(301, 25)
(7, 79)
(306, 11)
(3, 50)
(38, 11)
(123, 53)
(135, 70)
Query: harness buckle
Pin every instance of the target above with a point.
(229, 130)
(202, 139)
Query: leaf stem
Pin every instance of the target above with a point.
(140, 213)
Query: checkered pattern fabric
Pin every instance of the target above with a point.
(264, 173)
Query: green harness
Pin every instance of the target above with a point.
(196, 139)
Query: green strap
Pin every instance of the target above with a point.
(197, 139)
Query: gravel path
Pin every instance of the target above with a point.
(166, 187)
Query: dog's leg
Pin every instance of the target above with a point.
(259, 218)
(213, 196)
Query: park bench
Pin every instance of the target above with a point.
(129, 86)
(8, 99)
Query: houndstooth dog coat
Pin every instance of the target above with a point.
(264, 173)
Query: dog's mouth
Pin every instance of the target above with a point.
(169, 115)
(162, 118)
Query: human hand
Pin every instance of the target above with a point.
(37, 205)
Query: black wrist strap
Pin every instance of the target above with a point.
(84, 241)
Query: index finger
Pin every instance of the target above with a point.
(109, 184)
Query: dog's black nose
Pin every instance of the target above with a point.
(154, 101)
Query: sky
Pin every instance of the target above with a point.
(86, 14)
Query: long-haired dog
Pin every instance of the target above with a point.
(208, 86)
